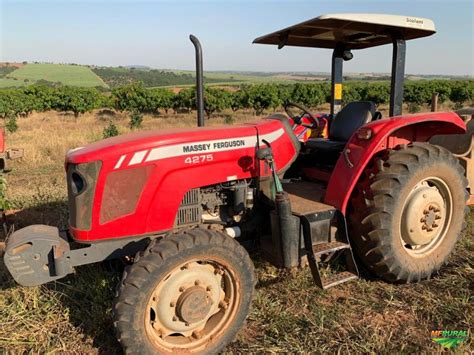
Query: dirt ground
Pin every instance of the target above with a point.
(289, 313)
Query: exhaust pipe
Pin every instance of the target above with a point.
(199, 81)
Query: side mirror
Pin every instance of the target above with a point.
(347, 55)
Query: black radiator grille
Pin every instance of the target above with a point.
(189, 211)
(191, 198)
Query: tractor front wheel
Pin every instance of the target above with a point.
(409, 212)
(190, 292)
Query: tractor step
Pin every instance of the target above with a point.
(338, 278)
(308, 230)
(340, 249)
(325, 248)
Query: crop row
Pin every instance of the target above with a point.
(258, 97)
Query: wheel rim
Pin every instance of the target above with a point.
(426, 216)
(192, 305)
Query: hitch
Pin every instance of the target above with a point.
(38, 254)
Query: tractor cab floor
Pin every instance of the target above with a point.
(306, 197)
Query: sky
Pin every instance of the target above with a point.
(155, 34)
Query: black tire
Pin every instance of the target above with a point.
(380, 206)
(155, 266)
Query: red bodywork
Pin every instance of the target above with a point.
(386, 134)
(174, 170)
(171, 169)
(2, 140)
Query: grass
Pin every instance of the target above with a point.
(73, 75)
(12, 83)
(289, 313)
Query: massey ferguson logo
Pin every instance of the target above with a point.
(215, 146)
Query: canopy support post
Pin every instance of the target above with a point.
(398, 76)
(336, 80)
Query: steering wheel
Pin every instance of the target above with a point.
(298, 119)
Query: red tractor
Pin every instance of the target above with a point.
(184, 202)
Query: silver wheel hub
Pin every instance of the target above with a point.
(194, 305)
(426, 215)
(191, 296)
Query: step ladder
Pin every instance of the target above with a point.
(340, 249)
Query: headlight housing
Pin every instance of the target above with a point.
(81, 183)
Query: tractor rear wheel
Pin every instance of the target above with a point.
(189, 292)
(409, 212)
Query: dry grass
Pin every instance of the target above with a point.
(289, 313)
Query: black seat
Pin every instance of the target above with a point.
(353, 116)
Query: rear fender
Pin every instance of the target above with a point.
(386, 134)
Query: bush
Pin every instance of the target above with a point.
(77, 100)
(238, 100)
(110, 131)
(216, 100)
(137, 98)
(160, 99)
(378, 93)
(309, 95)
(462, 92)
(458, 106)
(354, 92)
(185, 100)
(11, 125)
(417, 92)
(5, 204)
(136, 119)
(262, 97)
(229, 120)
(133, 97)
(413, 107)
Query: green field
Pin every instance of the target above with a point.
(10, 82)
(230, 78)
(73, 75)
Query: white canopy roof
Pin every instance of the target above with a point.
(356, 31)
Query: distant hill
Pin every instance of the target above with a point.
(53, 74)
(22, 74)
(137, 67)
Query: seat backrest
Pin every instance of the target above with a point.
(352, 116)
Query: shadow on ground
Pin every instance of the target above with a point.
(86, 296)
(356, 317)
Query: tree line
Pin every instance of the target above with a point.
(115, 77)
(256, 97)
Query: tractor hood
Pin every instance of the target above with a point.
(187, 140)
(116, 182)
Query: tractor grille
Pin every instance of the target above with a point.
(191, 198)
(189, 211)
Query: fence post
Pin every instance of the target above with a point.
(434, 102)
